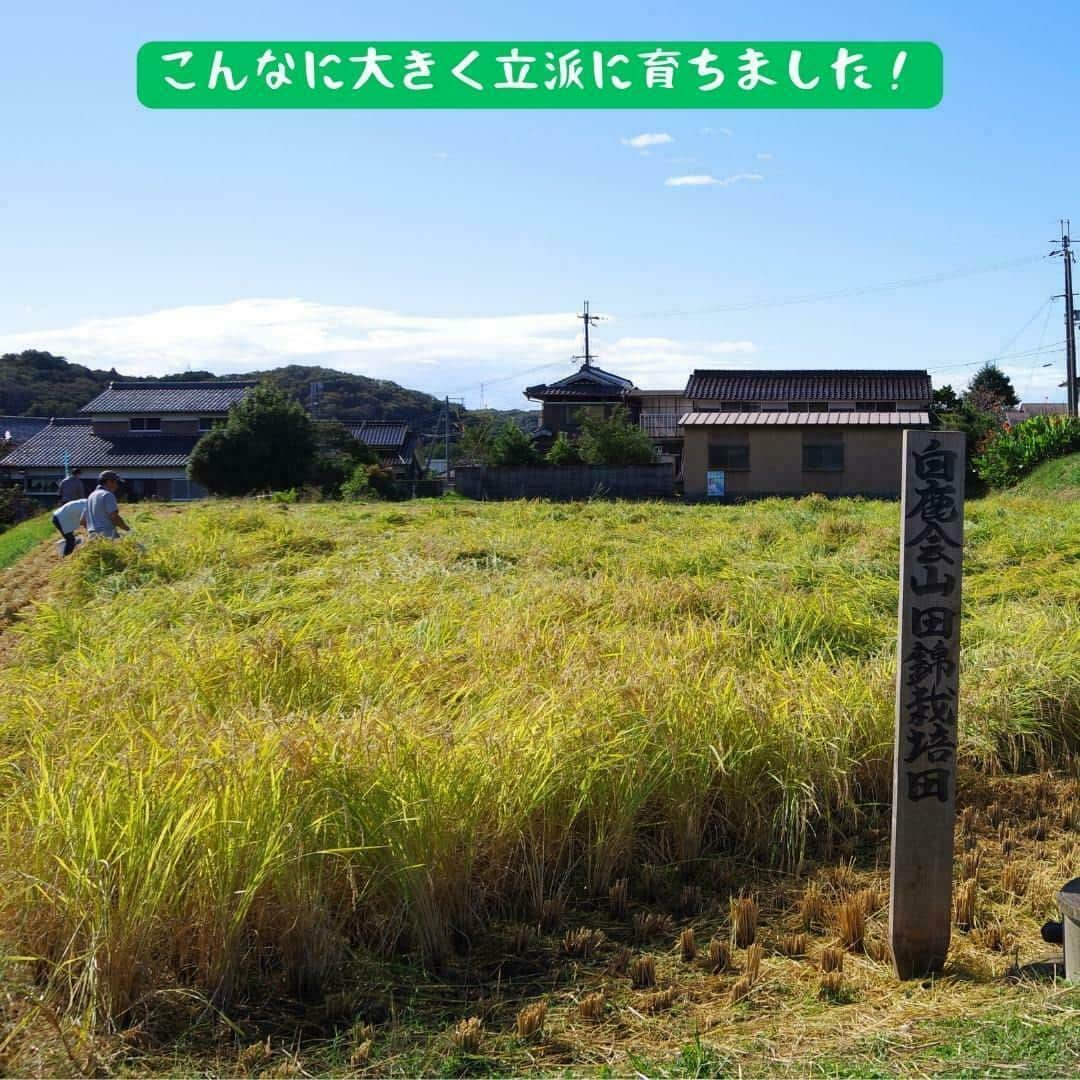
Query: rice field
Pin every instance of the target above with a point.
(281, 737)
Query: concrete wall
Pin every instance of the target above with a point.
(571, 482)
(872, 457)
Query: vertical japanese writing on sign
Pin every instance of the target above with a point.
(924, 773)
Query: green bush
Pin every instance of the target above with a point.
(1013, 452)
(370, 482)
(563, 452)
(615, 441)
(513, 447)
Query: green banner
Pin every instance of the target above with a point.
(540, 75)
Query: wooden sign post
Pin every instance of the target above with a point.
(928, 661)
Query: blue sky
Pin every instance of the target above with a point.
(449, 249)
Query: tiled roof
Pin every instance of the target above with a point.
(586, 384)
(381, 434)
(175, 397)
(19, 428)
(804, 419)
(85, 450)
(810, 385)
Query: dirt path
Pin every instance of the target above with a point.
(22, 585)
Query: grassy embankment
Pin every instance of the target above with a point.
(304, 735)
(19, 539)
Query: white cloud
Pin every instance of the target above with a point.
(639, 142)
(690, 181)
(440, 155)
(439, 354)
(717, 131)
(764, 157)
(705, 180)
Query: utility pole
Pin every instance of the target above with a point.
(1065, 252)
(588, 320)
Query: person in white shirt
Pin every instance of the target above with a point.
(67, 519)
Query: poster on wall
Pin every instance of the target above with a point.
(714, 479)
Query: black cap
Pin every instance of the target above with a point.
(108, 475)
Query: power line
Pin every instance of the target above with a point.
(857, 290)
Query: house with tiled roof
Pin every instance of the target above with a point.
(759, 432)
(791, 432)
(143, 431)
(15, 430)
(395, 444)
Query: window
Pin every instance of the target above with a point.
(876, 406)
(823, 457)
(728, 456)
(839, 408)
(208, 423)
(144, 423)
(741, 406)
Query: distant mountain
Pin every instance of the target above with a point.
(34, 383)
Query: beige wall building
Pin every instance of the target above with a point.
(753, 454)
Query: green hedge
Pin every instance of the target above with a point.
(1015, 451)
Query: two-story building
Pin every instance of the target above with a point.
(143, 431)
(755, 433)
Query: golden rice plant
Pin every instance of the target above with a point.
(831, 985)
(691, 900)
(719, 955)
(618, 898)
(878, 949)
(851, 922)
(530, 1020)
(468, 1036)
(651, 924)
(1037, 830)
(870, 900)
(753, 962)
(1006, 839)
(305, 759)
(619, 963)
(583, 943)
(832, 959)
(660, 1000)
(969, 819)
(643, 972)
(792, 945)
(994, 937)
(522, 939)
(740, 989)
(964, 900)
(744, 920)
(1014, 879)
(971, 863)
(687, 944)
(812, 907)
(552, 913)
(592, 1006)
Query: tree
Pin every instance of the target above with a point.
(337, 454)
(512, 446)
(267, 444)
(615, 441)
(477, 441)
(946, 399)
(991, 389)
(563, 452)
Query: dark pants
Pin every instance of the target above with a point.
(69, 538)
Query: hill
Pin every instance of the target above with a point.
(34, 383)
(1060, 477)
